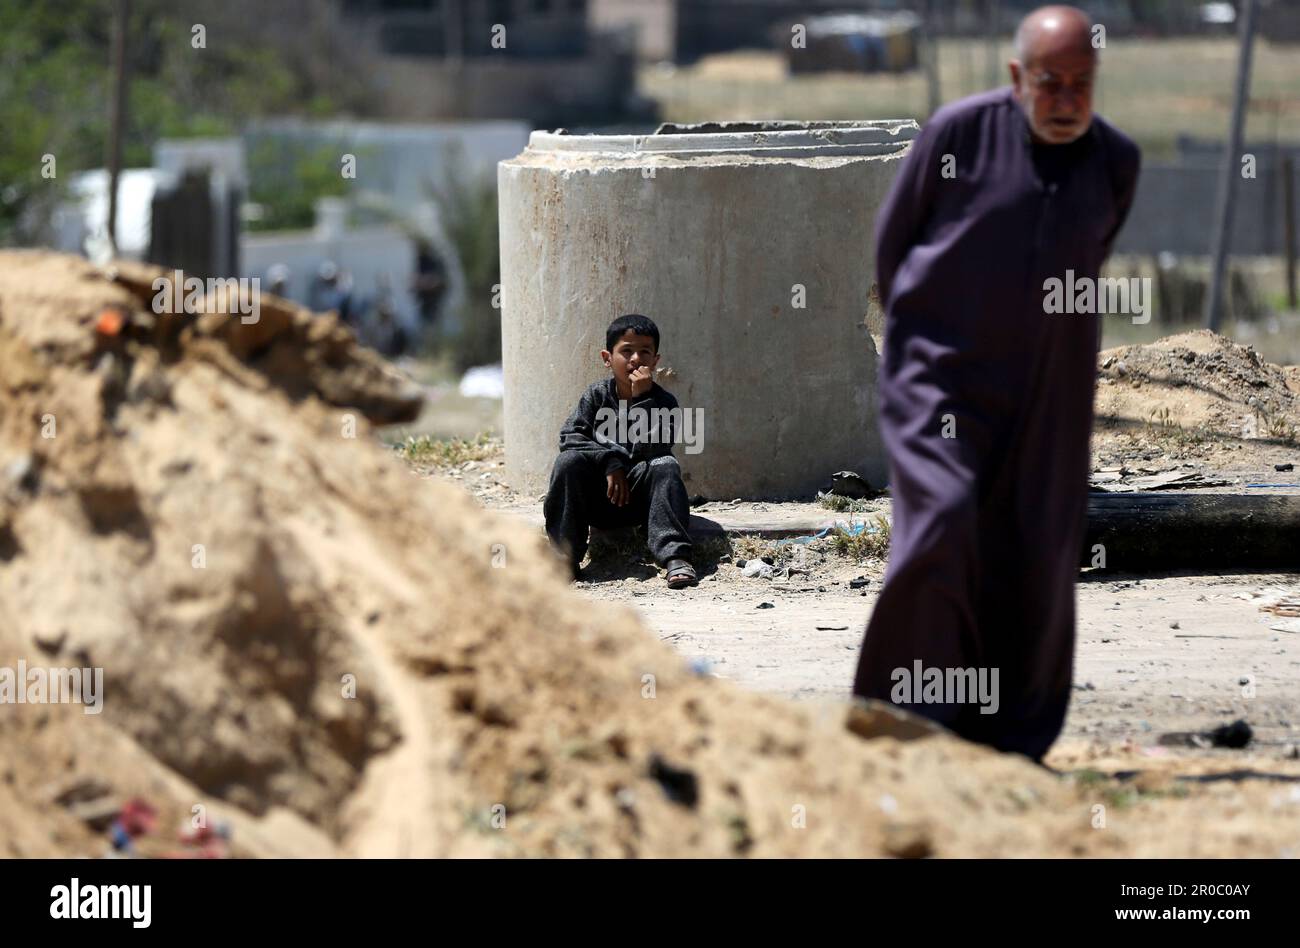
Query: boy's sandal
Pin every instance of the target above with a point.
(680, 573)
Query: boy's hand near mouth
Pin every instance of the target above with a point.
(641, 379)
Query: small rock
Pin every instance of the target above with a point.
(51, 642)
(679, 784)
(1174, 624)
(1284, 467)
(1236, 735)
(908, 841)
(21, 472)
(765, 605)
(849, 484)
(869, 719)
(859, 582)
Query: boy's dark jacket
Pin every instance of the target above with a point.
(582, 431)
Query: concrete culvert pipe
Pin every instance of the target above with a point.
(750, 245)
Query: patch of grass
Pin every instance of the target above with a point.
(746, 547)
(844, 504)
(1162, 418)
(1165, 430)
(1154, 89)
(1119, 795)
(1275, 426)
(873, 542)
(1088, 778)
(447, 452)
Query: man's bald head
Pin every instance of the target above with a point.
(1053, 30)
(1052, 74)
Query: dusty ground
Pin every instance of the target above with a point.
(1159, 657)
(338, 657)
(1196, 404)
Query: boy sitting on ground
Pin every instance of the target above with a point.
(605, 478)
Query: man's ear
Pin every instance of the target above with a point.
(1014, 67)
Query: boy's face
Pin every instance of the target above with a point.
(630, 353)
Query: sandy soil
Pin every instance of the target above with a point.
(336, 656)
(1158, 657)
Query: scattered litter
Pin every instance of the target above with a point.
(851, 485)
(1236, 735)
(1282, 607)
(702, 667)
(1284, 467)
(210, 841)
(136, 818)
(757, 569)
(1165, 480)
(110, 321)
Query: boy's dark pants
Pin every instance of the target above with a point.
(578, 499)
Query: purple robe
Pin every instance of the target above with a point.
(988, 522)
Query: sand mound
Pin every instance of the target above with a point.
(1200, 377)
(341, 658)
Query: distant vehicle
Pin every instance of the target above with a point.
(1218, 14)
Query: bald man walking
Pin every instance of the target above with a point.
(986, 392)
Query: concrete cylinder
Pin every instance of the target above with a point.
(750, 245)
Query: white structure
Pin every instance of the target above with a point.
(749, 245)
(81, 223)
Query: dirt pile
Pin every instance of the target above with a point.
(338, 657)
(1197, 395)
